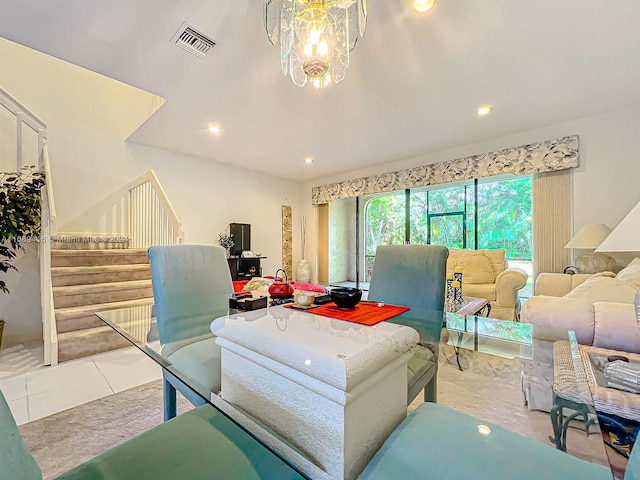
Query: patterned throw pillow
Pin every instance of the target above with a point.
(638, 307)
(630, 274)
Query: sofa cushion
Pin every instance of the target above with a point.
(616, 327)
(476, 269)
(635, 261)
(604, 289)
(630, 274)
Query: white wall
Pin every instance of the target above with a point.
(208, 196)
(342, 235)
(89, 118)
(605, 183)
(21, 309)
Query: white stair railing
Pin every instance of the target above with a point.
(49, 230)
(151, 217)
(26, 118)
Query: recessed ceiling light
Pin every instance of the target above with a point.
(423, 5)
(215, 129)
(484, 110)
(308, 160)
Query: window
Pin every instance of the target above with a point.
(489, 214)
(385, 224)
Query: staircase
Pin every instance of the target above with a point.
(90, 275)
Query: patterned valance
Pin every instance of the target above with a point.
(548, 156)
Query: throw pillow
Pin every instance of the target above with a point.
(638, 307)
(257, 284)
(630, 274)
(476, 269)
(604, 289)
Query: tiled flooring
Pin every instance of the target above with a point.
(44, 391)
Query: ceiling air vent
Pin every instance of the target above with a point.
(193, 41)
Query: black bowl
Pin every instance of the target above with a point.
(346, 297)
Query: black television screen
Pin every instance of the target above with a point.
(241, 235)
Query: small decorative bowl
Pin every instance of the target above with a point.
(346, 297)
(304, 299)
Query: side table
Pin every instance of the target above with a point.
(470, 306)
(616, 410)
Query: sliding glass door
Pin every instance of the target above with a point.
(385, 224)
(489, 214)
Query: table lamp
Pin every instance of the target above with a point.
(589, 237)
(626, 236)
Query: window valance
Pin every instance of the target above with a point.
(547, 156)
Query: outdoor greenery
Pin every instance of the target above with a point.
(504, 217)
(20, 213)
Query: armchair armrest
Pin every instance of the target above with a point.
(560, 312)
(508, 283)
(558, 284)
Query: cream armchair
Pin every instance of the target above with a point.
(599, 308)
(485, 274)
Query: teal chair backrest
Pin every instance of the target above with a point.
(191, 287)
(410, 275)
(16, 463)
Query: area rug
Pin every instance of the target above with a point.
(67, 439)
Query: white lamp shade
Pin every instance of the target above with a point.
(626, 236)
(590, 236)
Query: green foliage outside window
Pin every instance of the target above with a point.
(504, 218)
(385, 221)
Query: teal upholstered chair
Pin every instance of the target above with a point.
(200, 444)
(439, 442)
(191, 287)
(414, 276)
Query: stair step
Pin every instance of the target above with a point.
(65, 276)
(76, 258)
(77, 295)
(86, 313)
(90, 341)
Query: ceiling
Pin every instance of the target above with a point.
(413, 87)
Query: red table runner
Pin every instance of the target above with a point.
(365, 313)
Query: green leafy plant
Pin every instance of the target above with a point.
(225, 240)
(20, 213)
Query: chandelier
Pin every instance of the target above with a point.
(315, 37)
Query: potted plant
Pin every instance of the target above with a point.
(20, 213)
(225, 241)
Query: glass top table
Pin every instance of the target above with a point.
(497, 356)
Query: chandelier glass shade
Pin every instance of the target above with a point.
(315, 37)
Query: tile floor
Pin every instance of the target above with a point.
(43, 391)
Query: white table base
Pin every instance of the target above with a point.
(338, 431)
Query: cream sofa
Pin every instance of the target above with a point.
(599, 307)
(485, 274)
